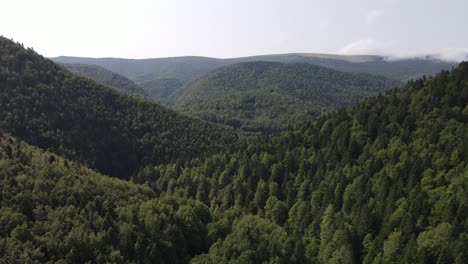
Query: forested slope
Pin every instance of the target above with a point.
(54, 210)
(382, 182)
(45, 105)
(103, 76)
(270, 96)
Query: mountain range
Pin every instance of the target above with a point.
(165, 79)
(93, 174)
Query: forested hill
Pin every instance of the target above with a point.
(47, 106)
(106, 77)
(270, 96)
(382, 182)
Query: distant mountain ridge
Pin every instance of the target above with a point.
(165, 79)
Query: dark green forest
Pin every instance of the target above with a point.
(103, 76)
(382, 181)
(48, 107)
(270, 96)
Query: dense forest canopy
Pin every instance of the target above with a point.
(54, 210)
(103, 76)
(45, 105)
(271, 96)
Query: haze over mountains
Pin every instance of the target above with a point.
(165, 79)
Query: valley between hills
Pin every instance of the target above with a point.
(288, 158)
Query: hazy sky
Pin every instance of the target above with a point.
(222, 28)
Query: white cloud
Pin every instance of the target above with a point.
(392, 51)
(373, 16)
(451, 54)
(365, 47)
(445, 54)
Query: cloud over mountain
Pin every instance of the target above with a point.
(365, 46)
(392, 51)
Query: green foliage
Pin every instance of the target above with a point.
(74, 117)
(252, 240)
(269, 96)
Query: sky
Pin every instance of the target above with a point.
(236, 28)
